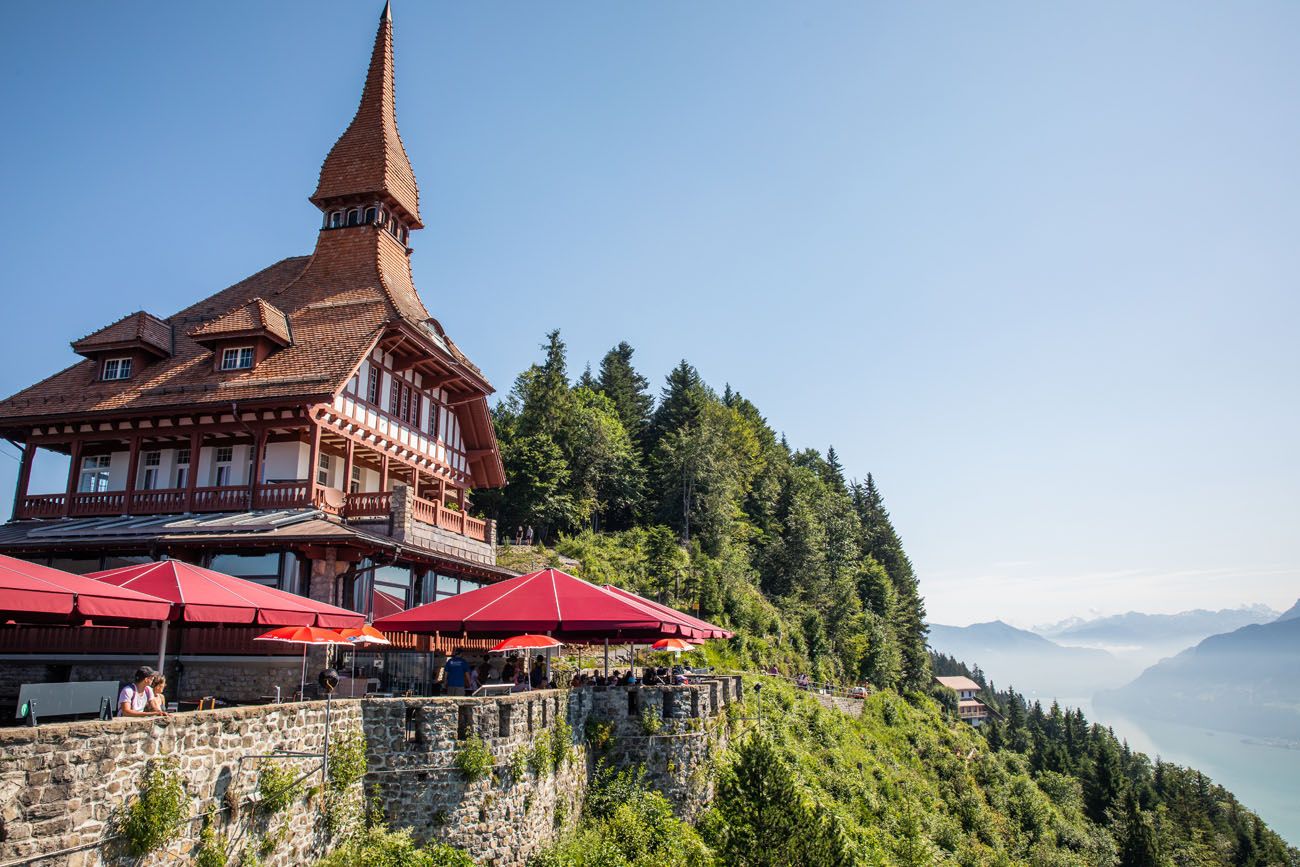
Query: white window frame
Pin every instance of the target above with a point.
(323, 469)
(223, 463)
(151, 463)
(354, 484)
(237, 358)
(116, 369)
(94, 474)
(182, 467)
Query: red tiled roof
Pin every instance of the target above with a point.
(369, 159)
(959, 682)
(139, 329)
(255, 317)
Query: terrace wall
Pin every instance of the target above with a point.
(61, 784)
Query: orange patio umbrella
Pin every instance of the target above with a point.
(303, 635)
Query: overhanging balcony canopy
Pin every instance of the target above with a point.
(550, 602)
(198, 595)
(30, 593)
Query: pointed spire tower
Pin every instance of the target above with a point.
(368, 167)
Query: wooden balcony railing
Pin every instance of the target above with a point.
(239, 498)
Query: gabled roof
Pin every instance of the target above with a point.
(959, 683)
(139, 330)
(255, 318)
(369, 160)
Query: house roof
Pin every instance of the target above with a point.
(369, 159)
(959, 683)
(252, 318)
(135, 330)
(328, 309)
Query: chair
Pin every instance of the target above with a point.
(208, 702)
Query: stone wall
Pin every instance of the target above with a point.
(62, 784)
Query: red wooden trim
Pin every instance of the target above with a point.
(24, 478)
(74, 473)
(192, 474)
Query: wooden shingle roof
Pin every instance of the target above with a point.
(135, 330)
(252, 318)
(369, 160)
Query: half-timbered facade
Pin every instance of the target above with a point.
(312, 426)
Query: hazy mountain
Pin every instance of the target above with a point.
(1292, 613)
(1136, 628)
(1031, 663)
(1245, 681)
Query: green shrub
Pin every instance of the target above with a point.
(211, 851)
(651, 722)
(518, 764)
(473, 759)
(277, 787)
(539, 757)
(380, 847)
(154, 818)
(561, 742)
(347, 763)
(598, 733)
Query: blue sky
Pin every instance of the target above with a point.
(1033, 265)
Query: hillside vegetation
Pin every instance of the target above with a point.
(694, 499)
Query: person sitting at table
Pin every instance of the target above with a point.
(471, 681)
(158, 691)
(521, 683)
(538, 677)
(650, 678)
(508, 670)
(134, 698)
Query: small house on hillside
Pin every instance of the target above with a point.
(969, 708)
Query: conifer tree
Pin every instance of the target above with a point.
(630, 392)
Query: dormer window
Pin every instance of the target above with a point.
(354, 217)
(371, 215)
(116, 368)
(237, 358)
(336, 219)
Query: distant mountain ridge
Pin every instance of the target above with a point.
(1135, 628)
(1245, 681)
(1292, 613)
(1035, 665)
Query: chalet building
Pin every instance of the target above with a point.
(311, 427)
(969, 708)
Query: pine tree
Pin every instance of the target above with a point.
(630, 392)
(682, 400)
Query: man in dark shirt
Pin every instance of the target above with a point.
(537, 679)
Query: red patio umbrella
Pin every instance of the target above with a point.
(201, 595)
(303, 635)
(528, 642)
(30, 593)
(673, 645)
(549, 601)
(702, 628)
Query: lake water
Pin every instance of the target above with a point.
(1264, 778)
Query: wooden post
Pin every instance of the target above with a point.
(383, 472)
(132, 468)
(192, 477)
(349, 457)
(258, 464)
(24, 478)
(313, 460)
(74, 473)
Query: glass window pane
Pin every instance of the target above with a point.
(76, 565)
(447, 585)
(247, 565)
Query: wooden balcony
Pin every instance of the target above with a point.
(380, 504)
(243, 498)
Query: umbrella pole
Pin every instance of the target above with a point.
(162, 646)
(302, 682)
(606, 657)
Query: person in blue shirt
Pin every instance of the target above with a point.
(456, 669)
